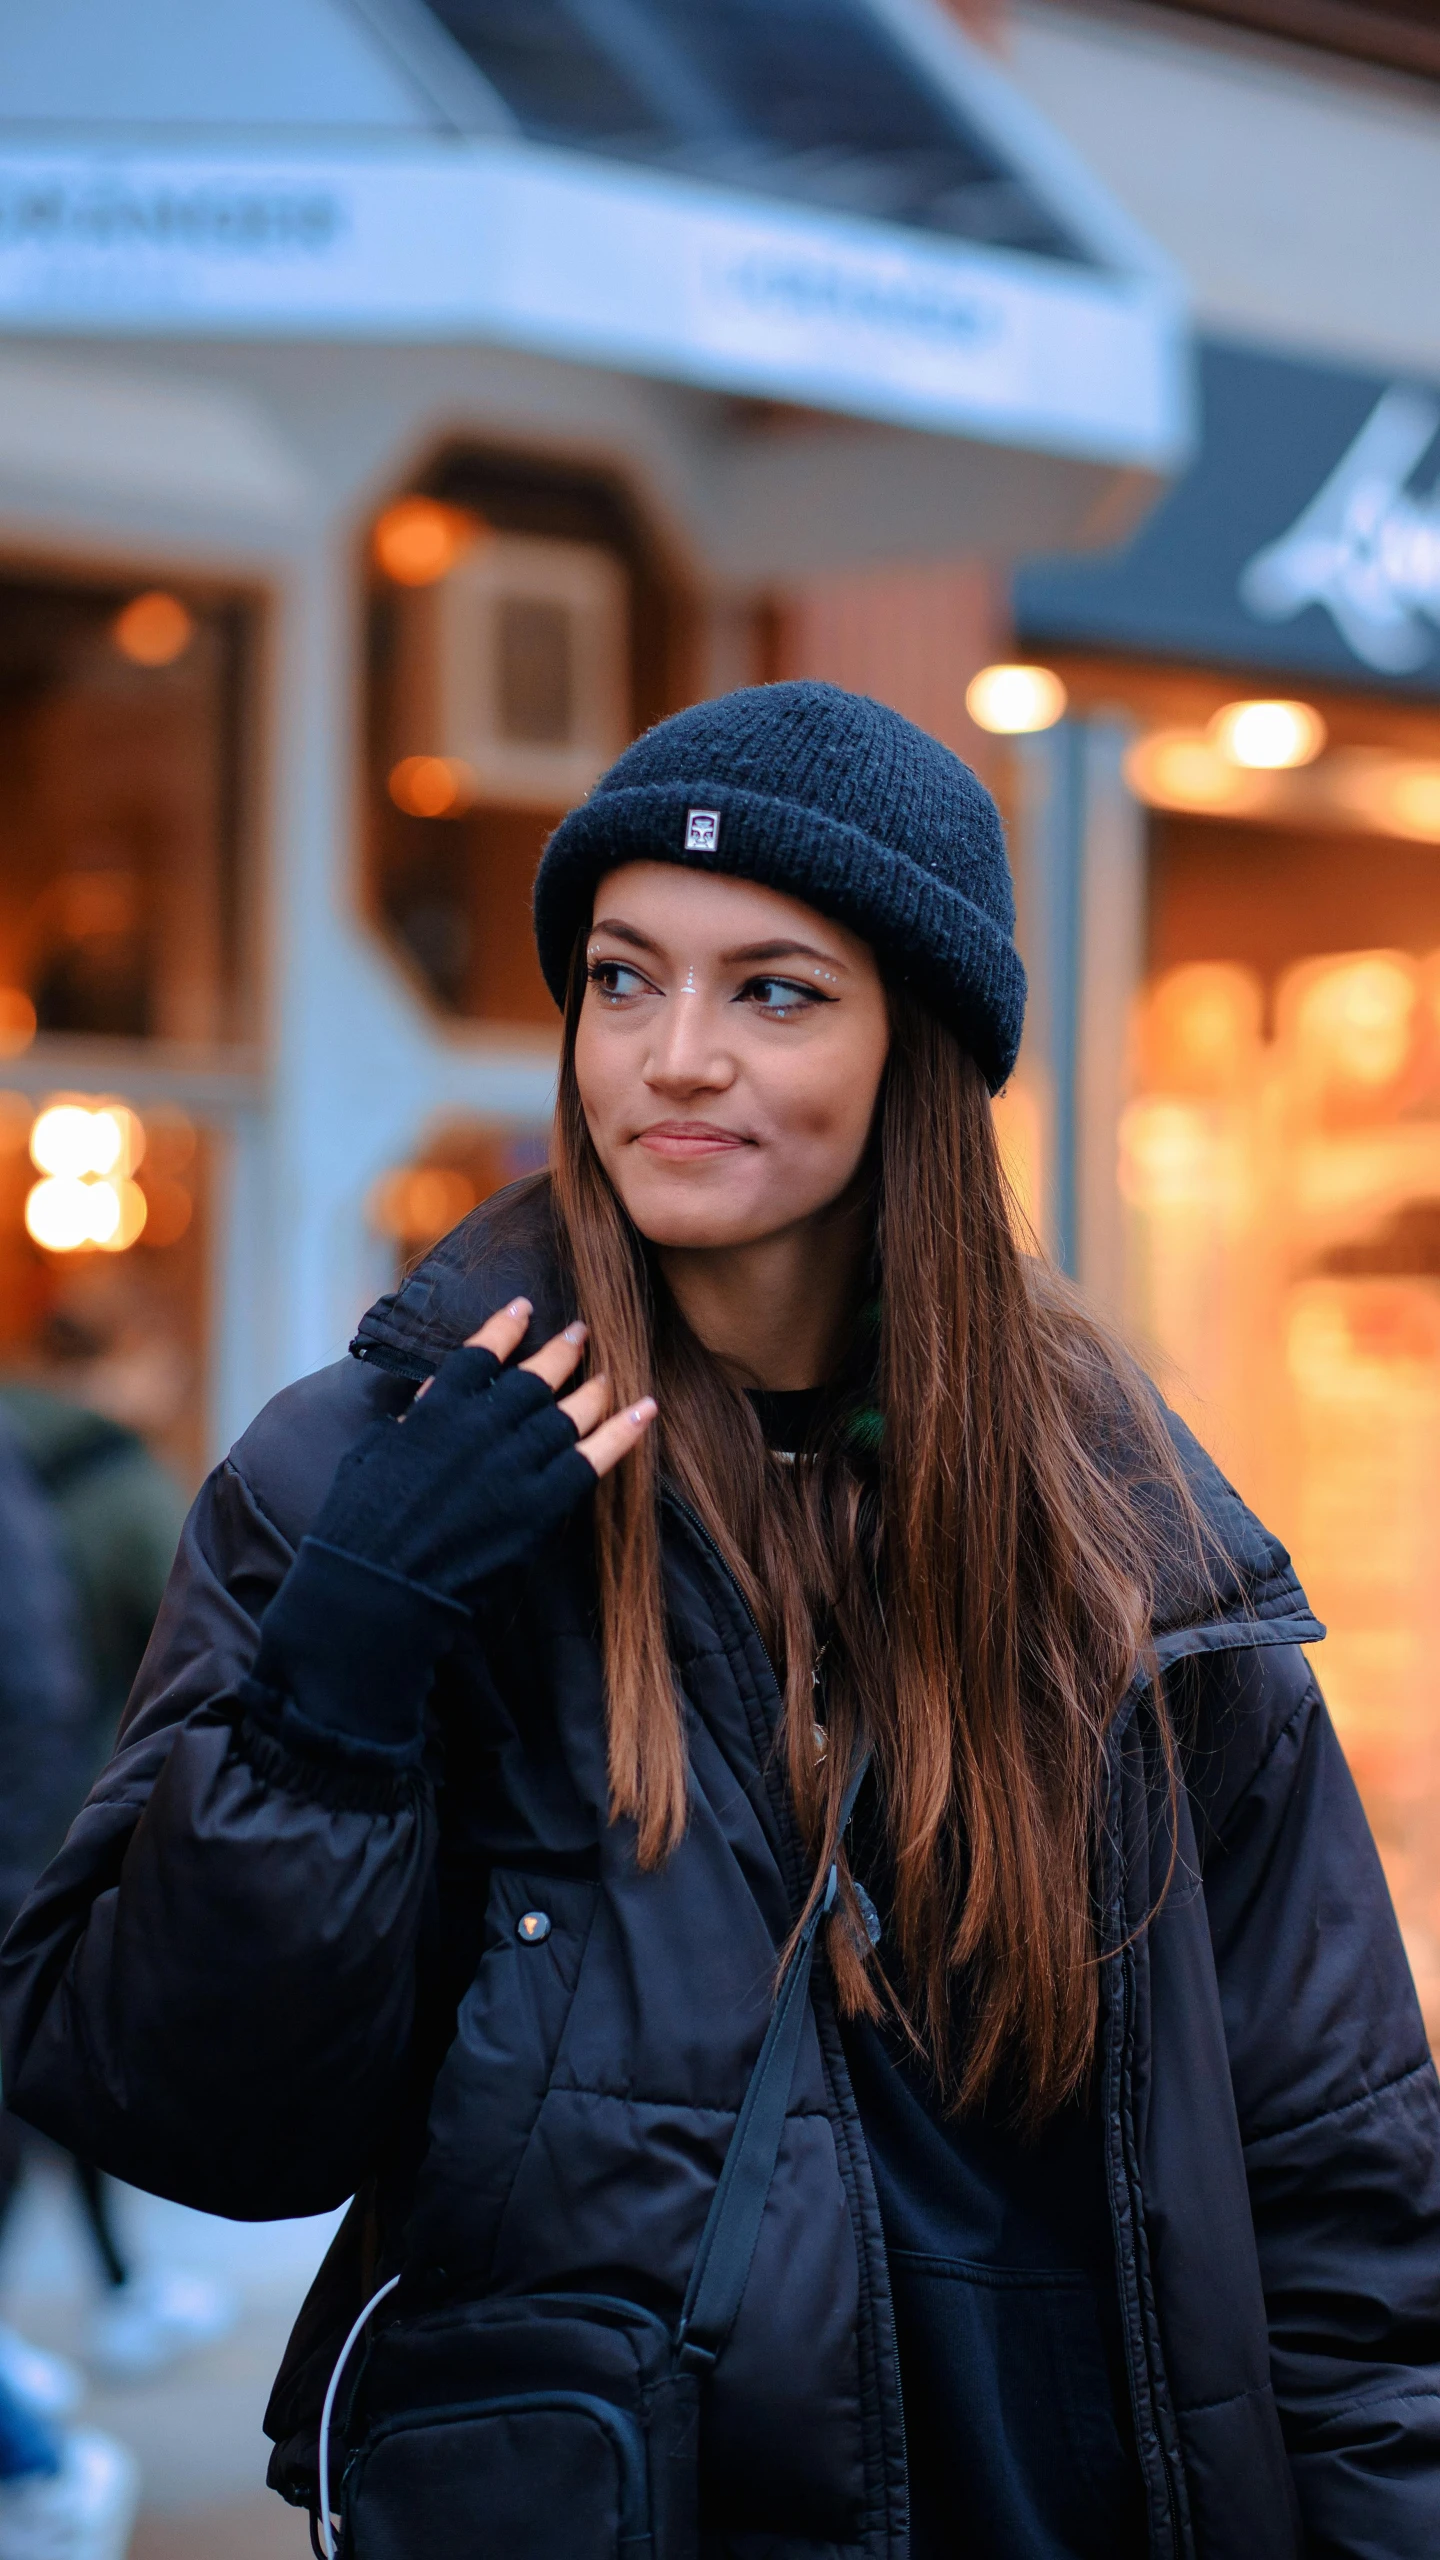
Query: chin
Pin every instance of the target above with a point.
(696, 1226)
(682, 1215)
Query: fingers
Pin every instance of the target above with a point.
(556, 1358)
(616, 1438)
(588, 1405)
(503, 1332)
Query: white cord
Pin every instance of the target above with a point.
(327, 2530)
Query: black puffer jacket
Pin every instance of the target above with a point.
(258, 1979)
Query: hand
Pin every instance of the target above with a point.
(602, 1447)
(467, 1486)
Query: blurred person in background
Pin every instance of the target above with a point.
(66, 2492)
(513, 1749)
(79, 1419)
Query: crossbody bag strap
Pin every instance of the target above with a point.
(732, 2226)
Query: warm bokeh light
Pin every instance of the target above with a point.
(1173, 1157)
(1355, 1021)
(17, 1021)
(1410, 801)
(64, 1213)
(129, 1219)
(1282, 1253)
(86, 1154)
(419, 540)
(1184, 769)
(420, 1202)
(1013, 701)
(1200, 1028)
(77, 1138)
(1268, 737)
(154, 629)
(57, 1213)
(431, 786)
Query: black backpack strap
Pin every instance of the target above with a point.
(732, 2226)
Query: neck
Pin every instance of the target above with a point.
(780, 1310)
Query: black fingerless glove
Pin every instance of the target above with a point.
(424, 1516)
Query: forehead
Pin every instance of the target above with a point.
(708, 909)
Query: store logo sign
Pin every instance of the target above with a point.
(1366, 547)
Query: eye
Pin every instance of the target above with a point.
(615, 980)
(782, 998)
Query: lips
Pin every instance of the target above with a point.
(685, 1141)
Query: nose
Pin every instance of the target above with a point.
(688, 1052)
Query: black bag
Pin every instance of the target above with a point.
(564, 2426)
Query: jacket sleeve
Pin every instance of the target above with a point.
(1339, 2110)
(211, 1991)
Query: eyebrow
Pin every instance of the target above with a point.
(785, 951)
(747, 951)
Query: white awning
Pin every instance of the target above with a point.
(181, 215)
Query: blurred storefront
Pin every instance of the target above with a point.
(1235, 839)
(400, 407)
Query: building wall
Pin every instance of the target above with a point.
(912, 637)
(1299, 193)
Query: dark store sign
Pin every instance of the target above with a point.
(1305, 535)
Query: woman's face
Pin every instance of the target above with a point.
(729, 1054)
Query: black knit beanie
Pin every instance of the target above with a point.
(836, 801)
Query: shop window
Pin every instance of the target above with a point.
(523, 628)
(104, 1220)
(120, 720)
(1280, 1174)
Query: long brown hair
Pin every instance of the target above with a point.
(980, 1584)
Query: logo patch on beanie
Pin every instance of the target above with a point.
(702, 830)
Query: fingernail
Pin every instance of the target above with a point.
(642, 1411)
(576, 1332)
(519, 1307)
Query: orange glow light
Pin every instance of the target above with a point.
(17, 1021)
(85, 1153)
(1356, 1020)
(1268, 737)
(431, 786)
(1413, 803)
(419, 540)
(1014, 701)
(1184, 769)
(154, 630)
(420, 1202)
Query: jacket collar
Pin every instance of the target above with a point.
(509, 1248)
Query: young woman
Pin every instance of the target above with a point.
(507, 1740)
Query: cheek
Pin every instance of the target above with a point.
(825, 1110)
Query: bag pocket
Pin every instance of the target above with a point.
(533, 2427)
(556, 2475)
